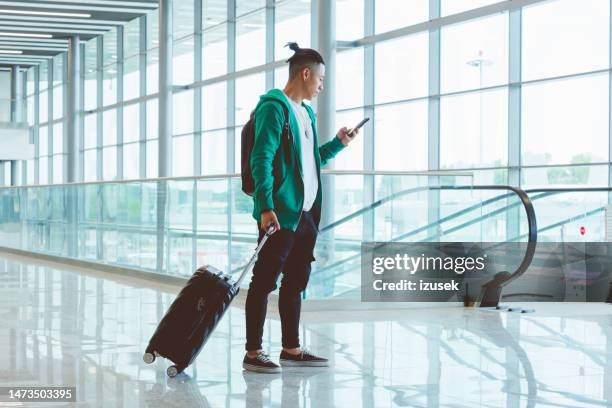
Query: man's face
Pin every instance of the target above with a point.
(313, 80)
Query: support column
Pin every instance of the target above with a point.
(513, 220)
(433, 126)
(165, 88)
(326, 101)
(165, 126)
(326, 123)
(16, 115)
(72, 109)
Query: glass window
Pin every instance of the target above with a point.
(457, 6)
(31, 82)
(131, 123)
(349, 20)
(109, 40)
(213, 13)
(183, 62)
(131, 78)
(565, 36)
(474, 129)
(58, 169)
(565, 121)
(58, 69)
(131, 161)
(182, 18)
(579, 176)
(214, 106)
(43, 107)
(109, 84)
(393, 14)
(182, 118)
(31, 101)
(400, 141)
(401, 68)
(152, 170)
(352, 157)
(281, 76)
(182, 156)
(109, 127)
(214, 152)
(214, 53)
(43, 141)
(474, 54)
(30, 172)
(58, 102)
(91, 90)
(251, 40)
(90, 131)
(248, 91)
(246, 6)
(109, 163)
(153, 29)
(152, 71)
(349, 79)
(43, 170)
(131, 38)
(292, 25)
(152, 119)
(43, 76)
(90, 161)
(58, 138)
(91, 55)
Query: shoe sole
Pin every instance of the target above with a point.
(292, 363)
(258, 369)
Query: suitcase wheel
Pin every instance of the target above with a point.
(172, 371)
(148, 357)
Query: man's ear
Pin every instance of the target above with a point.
(305, 73)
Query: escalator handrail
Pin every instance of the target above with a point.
(525, 200)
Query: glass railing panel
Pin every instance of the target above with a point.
(439, 214)
(570, 216)
(208, 220)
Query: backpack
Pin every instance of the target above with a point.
(247, 141)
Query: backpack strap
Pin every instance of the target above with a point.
(286, 129)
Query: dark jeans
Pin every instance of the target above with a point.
(291, 253)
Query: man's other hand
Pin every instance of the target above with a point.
(269, 217)
(347, 135)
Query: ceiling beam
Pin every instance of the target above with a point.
(77, 6)
(26, 56)
(4, 46)
(50, 24)
(50, 30)
(32, 44)
(117, 3)
(18, 40)
(60, 19)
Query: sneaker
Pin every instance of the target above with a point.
(304, 359)
(260, 364)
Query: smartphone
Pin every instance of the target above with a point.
(360, 124)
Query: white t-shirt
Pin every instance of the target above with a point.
(309, 167)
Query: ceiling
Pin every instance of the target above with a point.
(23, 22)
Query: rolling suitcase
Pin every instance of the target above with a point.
(194, 314)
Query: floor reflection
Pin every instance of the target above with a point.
(61, 327)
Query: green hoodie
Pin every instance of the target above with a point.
(276, 163)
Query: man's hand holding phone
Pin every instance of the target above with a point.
(347, 135)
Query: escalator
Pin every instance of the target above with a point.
(485, 214)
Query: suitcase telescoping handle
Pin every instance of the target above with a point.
(271, 229)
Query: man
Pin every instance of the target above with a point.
(286, 171)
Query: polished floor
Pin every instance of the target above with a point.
(61, 326)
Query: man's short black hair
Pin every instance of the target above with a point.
(303, 58)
